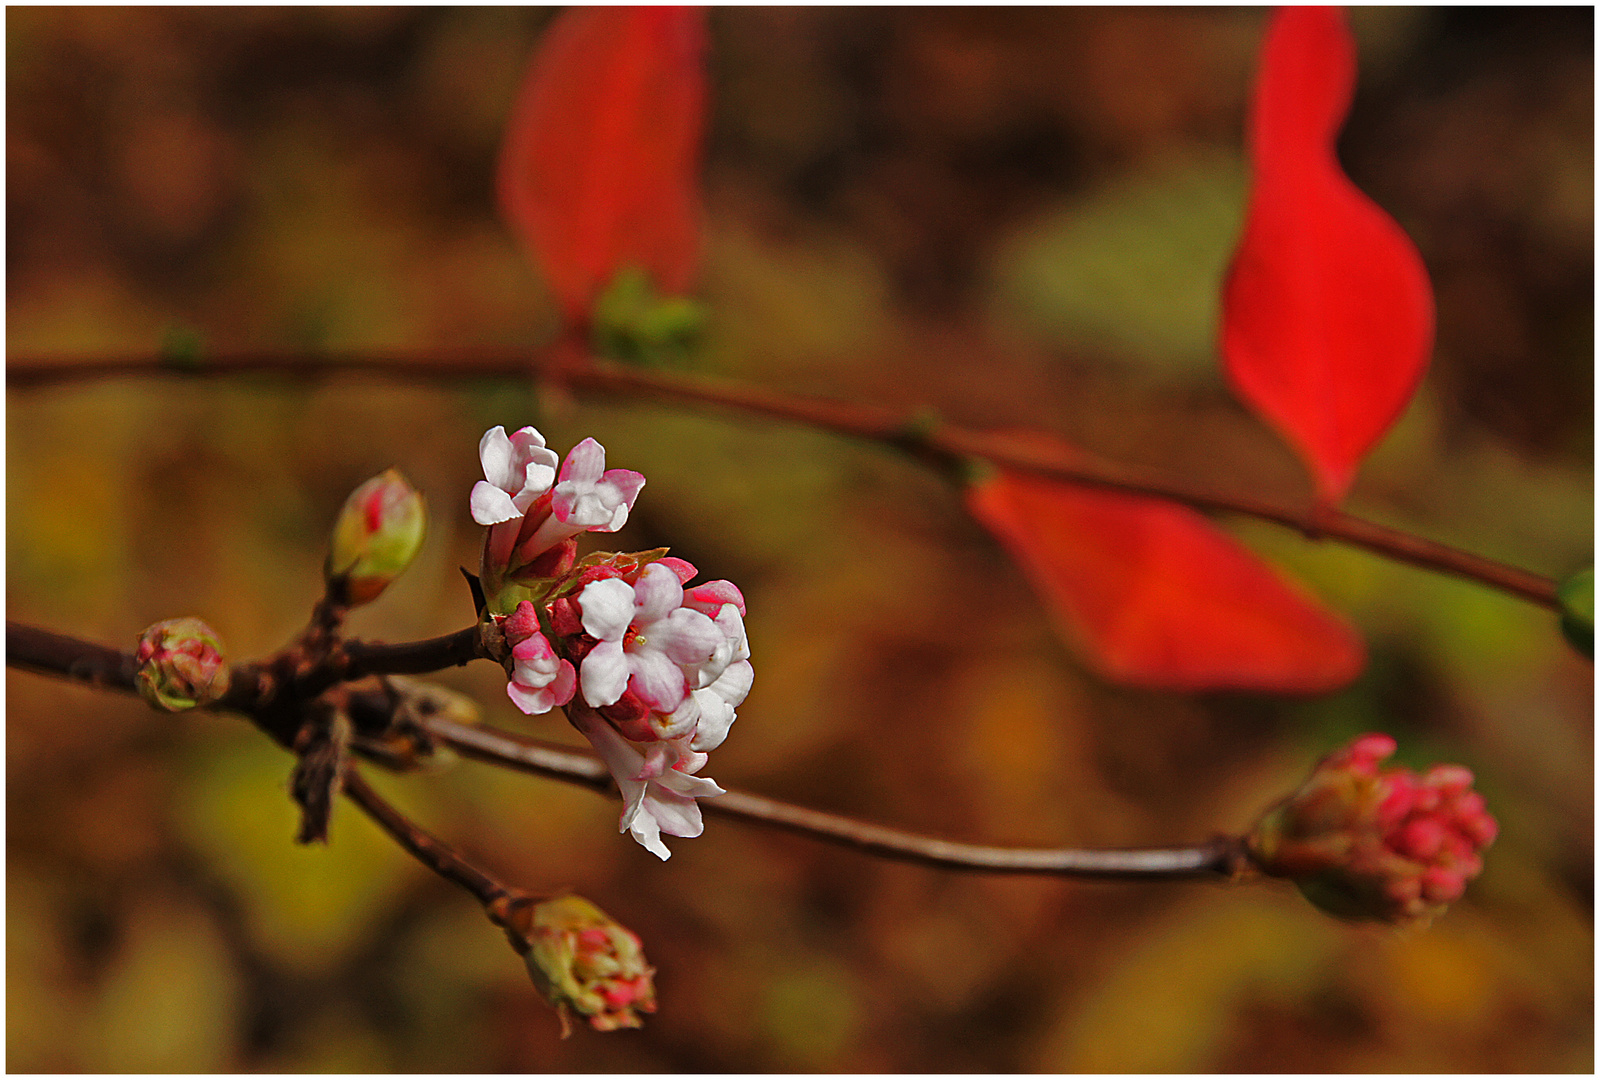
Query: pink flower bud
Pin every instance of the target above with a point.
(181, 665)
(378, 533)
(584, 961)
(540, 680)
(533, 517)
(521, 624)
(1365, 842)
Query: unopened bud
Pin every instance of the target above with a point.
(1364, 842)
(377, 535)
(584, 961)
(181, 665)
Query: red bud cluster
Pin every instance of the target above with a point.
(1365, 842)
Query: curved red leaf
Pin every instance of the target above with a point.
(1327, 310)
(1154, 595)
(600, 167)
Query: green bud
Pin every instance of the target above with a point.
(635, 324)
(1576, 596)
(378, 533)
(181, 665)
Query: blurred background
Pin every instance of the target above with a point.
(1018, 217)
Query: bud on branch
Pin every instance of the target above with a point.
(1383, 844)
(378, 533)
(181, 665)
(583, 961)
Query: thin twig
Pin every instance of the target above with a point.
(937, 442)
(1218, 857)
(57, 654)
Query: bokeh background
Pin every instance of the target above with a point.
(1018, 217)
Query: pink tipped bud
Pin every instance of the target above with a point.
(181, 665)
(584, 961)
(1363, 755)
(684, 569)
(1365, 842)
(710, 597)
(378, 533)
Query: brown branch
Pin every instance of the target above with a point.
(1222, 856)
(412, 657)
(938, 443)
(33, 649)
(56, 654)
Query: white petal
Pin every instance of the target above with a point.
(534, 701)
(716, 719)
(735, 682)
(656, 679)
(674, 814)
(642, 824)
(679, 722)
(607, 607)
(691, 640)
(582, 505)
(732, 626)
(495, 454)
(688, 785)
(491, 505)
(658, 593)
(604, 675)
(537, 477)
(585, 462)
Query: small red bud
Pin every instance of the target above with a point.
(521, 624)
(565, 618)
(553, 563)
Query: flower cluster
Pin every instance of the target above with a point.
(533, 515)
(1366, 842)
(651, 671)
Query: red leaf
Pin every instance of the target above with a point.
(1155, 595)
(1327, 311)
(600, 166)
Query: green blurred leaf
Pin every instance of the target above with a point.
(636, 325)
(1577, 610)
(1135, 269)
(307, 905)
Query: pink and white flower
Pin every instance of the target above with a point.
(662, 670)
(646, 641)
(540, 680)
(531, 514)
(588, 498)
(517, 469)
(657, 781)
(714, 703)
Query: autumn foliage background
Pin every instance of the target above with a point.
(1020, 218)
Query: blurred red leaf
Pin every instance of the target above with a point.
(600, 167)
(1327, 310)
(1155, 595)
